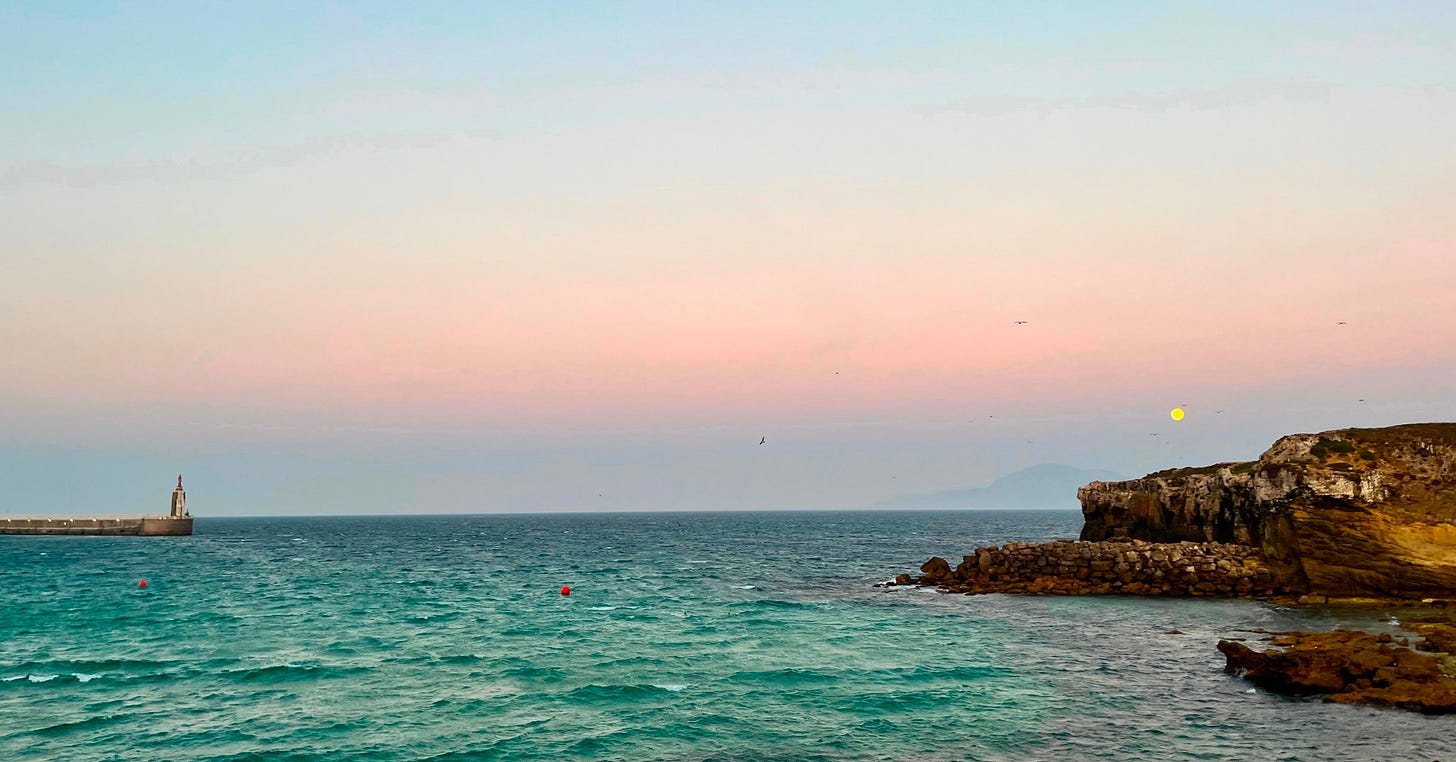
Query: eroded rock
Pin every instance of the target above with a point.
(1346, 667)
(1345, 513)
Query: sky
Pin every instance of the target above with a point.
(334, 258)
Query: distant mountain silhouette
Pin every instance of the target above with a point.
(1048, 485)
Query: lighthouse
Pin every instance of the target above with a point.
(179, 501)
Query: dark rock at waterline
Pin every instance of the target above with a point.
(937, 572)
(1100, 568)
(1346, 667)
(1439, 637)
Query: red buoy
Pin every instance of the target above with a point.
(565, 589)
(143, 583)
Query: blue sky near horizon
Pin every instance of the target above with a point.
(369, 257)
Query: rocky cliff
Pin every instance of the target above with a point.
(1352, 512)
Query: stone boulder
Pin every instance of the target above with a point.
(937, 571)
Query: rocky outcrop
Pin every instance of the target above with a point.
(1347, 667)
(1347, 513)
(1097, 568)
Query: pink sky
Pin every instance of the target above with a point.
(827, 227)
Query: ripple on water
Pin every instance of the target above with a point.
(256, 647)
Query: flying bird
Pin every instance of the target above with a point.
(1019, 322)
(762, 440)
(1154, 435)
(1341, 323)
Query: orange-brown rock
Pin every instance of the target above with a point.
(1100, 568)
(1438, 637)
(1348, 513)
(937, 571)
(1347, 667)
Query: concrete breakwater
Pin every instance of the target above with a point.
(177, 523)
(145, 526)
(1131, 567)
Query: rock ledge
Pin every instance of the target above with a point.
(1347, 667)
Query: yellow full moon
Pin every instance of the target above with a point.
(1177, 414)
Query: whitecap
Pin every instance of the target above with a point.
(41, 678)
(85, 678)
(670, 687)
(1251, 690)
(747, 587)
(13, 678)
(602, 608)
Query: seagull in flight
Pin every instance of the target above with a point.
(1019, 322)
(1341, 322)
(762, 440)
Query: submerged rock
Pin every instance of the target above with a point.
(1346, 667)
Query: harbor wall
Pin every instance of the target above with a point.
(146, 526)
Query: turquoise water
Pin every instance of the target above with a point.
(728, 636)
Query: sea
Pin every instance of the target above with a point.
(686, 636)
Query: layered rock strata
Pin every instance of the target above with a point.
(1351, 513)
(1096, 568)
(1347, 513)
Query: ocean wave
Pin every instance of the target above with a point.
(788, 676)
(95, 665)
(957, 674)
(46, 677)
(282, 673)
(86, 723)
(461, 659)
(893, 702)
(772, 603)
(536, 674)
(607, 694)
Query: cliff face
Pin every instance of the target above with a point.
(1352, 512)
